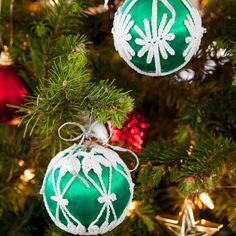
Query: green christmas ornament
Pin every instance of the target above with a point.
(157, 37)
(87, 191)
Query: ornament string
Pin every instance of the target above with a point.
(120, 149)
(88, 134)
(11, 23)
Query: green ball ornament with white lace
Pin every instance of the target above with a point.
(157, 37)
(87, 191)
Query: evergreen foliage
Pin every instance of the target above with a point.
(69, 62)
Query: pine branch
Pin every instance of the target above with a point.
(65, 90)
(200, 168)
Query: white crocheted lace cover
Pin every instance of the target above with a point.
(79, 163)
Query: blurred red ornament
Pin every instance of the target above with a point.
(133, 132)
(12, 88)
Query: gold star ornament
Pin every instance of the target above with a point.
(186, 225)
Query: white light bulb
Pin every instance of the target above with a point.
(206, 200)
(28, 175)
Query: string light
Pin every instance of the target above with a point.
(28, 175)
(206, 200)
(33, 6)
(189, 151)
(132, 208)
(53, 2)
(21, 163)
(14, 121)
(96, 10)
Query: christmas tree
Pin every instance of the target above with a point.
(62, 80)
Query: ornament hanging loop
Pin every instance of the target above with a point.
(87, 133)
(96, 130)
(81, 137)
(11, 23)
(120, 149)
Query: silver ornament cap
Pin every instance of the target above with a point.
(100, 131)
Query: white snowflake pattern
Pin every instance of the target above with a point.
(195, 29)
(122, 26)
(155, 41)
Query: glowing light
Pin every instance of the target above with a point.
(14, 121)
(220, 226)
(190, 150)
(203, 221)
(20, 186)
(96, 10)
(132, 208)
(206, 200)
(21, 162)
(53, 2)
(28, 175)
